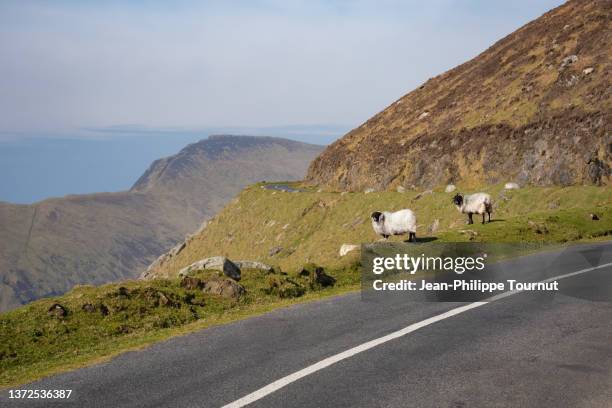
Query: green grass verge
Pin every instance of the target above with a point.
(102, 322)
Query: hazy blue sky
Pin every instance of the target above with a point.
(76, 68)
(77, 63)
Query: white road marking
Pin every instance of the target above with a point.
(280, 383)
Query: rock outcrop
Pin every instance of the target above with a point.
(223, 287)
(535, 107)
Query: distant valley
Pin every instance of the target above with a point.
(54, 244)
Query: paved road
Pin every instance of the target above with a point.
(525, 350)
(282, 187)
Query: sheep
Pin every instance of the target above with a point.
(478, 203)
(387, 223)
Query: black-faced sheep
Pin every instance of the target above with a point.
(400, 222)
(478, 203)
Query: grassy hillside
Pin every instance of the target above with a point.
(534, 107)
(310, 226)
(50, 246)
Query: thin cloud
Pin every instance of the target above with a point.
(71, 64)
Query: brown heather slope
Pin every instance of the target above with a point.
(535, 108)
(48, 247)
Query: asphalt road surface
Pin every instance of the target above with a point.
(529, 349)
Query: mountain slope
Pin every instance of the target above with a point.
(50, 246)
(535, 107)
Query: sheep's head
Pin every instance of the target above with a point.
(458, 200)
(377, 216)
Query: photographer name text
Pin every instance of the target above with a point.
(464, 285)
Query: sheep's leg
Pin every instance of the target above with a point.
(489, 212)
(483, 217)
(470, 220)
(412, 237)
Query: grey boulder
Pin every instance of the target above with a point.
(253, 265)
(217, 263)
(224, 287)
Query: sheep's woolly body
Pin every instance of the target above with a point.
(477, 203)
(395, 223)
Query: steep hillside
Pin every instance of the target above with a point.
(535, 107)
(290, 229)
(49, 246)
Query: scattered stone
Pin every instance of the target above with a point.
(284, 286)
(274, 251)
(122, 291)
(123, 329)
(254, 265)
(320, 190)
(163, 299)
(103, 309)
(401, 189)
(569, 60)
(450, 188)
(571, 81)
(316, 275)
(434, 226)
(346, 248)
(511, 186)
(537, 227)
(191, 283)
(88, 307)
(343, 193)
(420, 195)
(554, 204)
(227, 288)
(57, 310)
(423, 115)
(218, 263)
(588, 70)
(369, 190)
(470, 233)
(594, 217)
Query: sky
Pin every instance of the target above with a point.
(109, 71)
